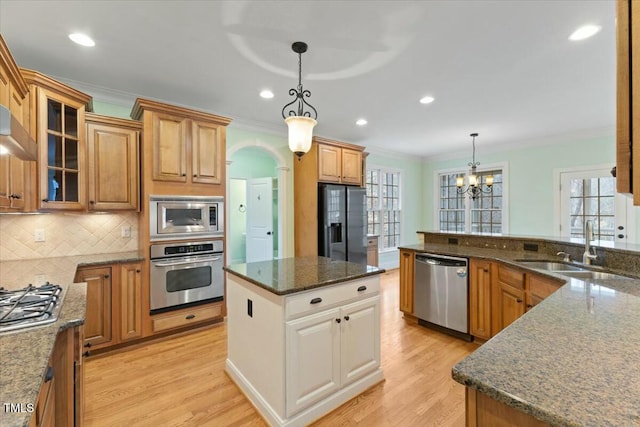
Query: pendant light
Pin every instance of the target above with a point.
(474, 188)
(299, 121)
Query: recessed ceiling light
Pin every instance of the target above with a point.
(82, 39)
(361, 122)
(427, 100)
(266, 94)
(584, 32)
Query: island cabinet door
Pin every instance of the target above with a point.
(312, 359)
(360, 339)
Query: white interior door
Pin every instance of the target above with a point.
(259, 219)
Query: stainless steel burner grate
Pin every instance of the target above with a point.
(30, 306)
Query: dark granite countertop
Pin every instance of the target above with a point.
(570, 361)
(24, 355)
(290, 275)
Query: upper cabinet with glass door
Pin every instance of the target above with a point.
(60, 133)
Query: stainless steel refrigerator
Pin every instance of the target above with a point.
(342, 223)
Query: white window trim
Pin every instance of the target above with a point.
(400, 172)
(557, 198)
(482, 168)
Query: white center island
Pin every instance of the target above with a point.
(303, 335)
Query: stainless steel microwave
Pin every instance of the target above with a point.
(180, 217)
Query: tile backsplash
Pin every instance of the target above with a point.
(66, 234)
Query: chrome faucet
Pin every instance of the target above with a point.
(588, 237)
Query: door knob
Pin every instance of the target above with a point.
(269, 233)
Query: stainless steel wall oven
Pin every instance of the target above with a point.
(186, 273)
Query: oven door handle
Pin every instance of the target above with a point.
(191, 261)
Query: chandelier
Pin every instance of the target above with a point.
(299, 121)
(474, 187)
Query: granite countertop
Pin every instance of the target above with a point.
(290, 275)
(17, 274)
(25, 355)
(570, 361)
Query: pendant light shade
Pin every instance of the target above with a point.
(300, 133)
(299, 120)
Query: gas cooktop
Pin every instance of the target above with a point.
(30, 306)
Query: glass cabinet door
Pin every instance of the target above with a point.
(61, 152)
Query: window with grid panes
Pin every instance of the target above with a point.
(459, 213)
(593, 198)
(383, 206)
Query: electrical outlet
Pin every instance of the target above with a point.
(125, 231)
(39, 235)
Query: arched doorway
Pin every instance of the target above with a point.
(247, 161)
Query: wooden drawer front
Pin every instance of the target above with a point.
(331, 296)
(511, 276)
(542, 287)
(372, 243)
(162, 322)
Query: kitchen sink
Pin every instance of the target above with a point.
(588, 274)
(551, 265)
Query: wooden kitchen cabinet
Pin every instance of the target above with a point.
(114, 304)
(182, 146)
(480, 298)
(98, 323)
(538, 288)
(44, 412)
(628, 98)
(14, 178)
(508, 297)
(113, 163)
(407, 274)
(372, 250)
(327, 161)
(15, 173)
(58, 112)
(339, 165)
(130, 291)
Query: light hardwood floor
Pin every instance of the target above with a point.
(181, 381)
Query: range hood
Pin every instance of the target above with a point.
(15, 138)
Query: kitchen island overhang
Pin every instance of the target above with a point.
(303, 335)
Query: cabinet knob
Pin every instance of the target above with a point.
(338, 320)
(86, 353)
(49, 375)
(518, 300)
(45, 200)
(346, 318)
(195, 176)
(88, 345)
(92, 202)
(316, 301)
(184, 174)
(529, 305)
(15, 196)
(137, 270)
(106, 276)
(362, 288)
(191, 316)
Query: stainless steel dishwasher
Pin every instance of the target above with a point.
(441, 293)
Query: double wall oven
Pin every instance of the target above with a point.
(185, 272)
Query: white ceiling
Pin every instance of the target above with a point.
(504, 69)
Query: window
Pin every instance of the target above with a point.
(383, 206)
(590, 194)
(459, 213)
